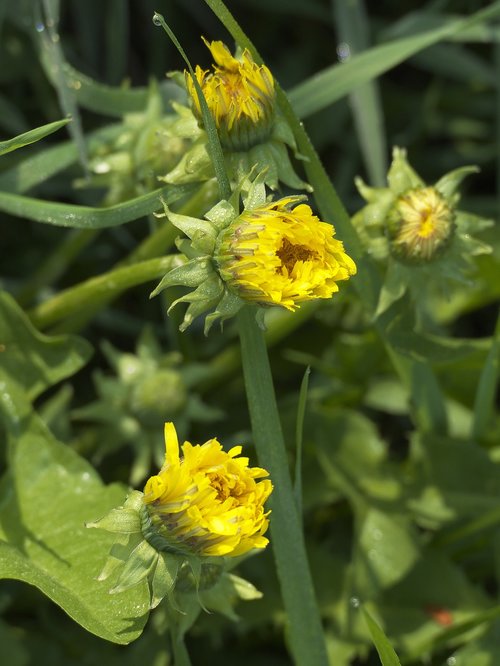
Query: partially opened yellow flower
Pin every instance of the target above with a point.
(279, 255)
(272, 253)
(420, 225)
(239, 93)
(254, 133)
(208, 501)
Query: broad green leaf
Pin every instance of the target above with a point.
(354, 458)
(386, 652)
(417, 615)
(29, 361)
(484, 651)
(386, 550)
(48, 497)
(84, 217)
(330, 85)
(458, 481)
(32, 136)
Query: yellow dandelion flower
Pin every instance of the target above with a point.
(239, 93)
(276, 255)
(208, 501)
(421, 223)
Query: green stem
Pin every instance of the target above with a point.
(105, 286)
(181, 655)
(57, 262)
(305, 631)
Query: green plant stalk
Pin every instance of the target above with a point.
(305, 631)
(56, 263)
(105, 286)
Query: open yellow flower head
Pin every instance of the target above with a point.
(239, 93)
(273, 253)
(208, 501)
(420, 225)
(279, 255)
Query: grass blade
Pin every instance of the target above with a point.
(85, 217)
(388, 656)
(32, 136)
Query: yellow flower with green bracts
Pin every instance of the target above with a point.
(273, 253)
(420, 224)
(254, 134)
(279, 255)
(208, 501)
(239, 93)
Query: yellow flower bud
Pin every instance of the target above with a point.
(420, 225)
(239, 93)
(278, 255)
(208, 502)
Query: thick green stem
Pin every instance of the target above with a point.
(305, 631)
(105, 286)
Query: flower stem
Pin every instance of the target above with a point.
(87, 294)
(305, 631)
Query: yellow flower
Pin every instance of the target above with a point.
(420, 225)
(239, 93)
(276, 255)
(208, 502)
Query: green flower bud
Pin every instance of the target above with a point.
(419, 225)
(158, 397)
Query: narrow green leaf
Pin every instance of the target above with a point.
(484, 402)
(333, 83)
(52, 58)
(352, 29)
(85, 217)
(116, 101)
(388, 656)
(42, 166)
(214, 145)
(32, 136)
(305, 634)
(299, 436)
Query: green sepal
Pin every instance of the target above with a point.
(221, 215)
(118, 555)
(227, 307)
(121, 520)
(194, 166)
(401, 175)
(222, 596)
(193, 227)
(124, 519)
(164, 578)
(191, 274)
(139, 565)
(206, 296)
(282, 132)
(448, 184)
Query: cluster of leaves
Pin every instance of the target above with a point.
(400, 485)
